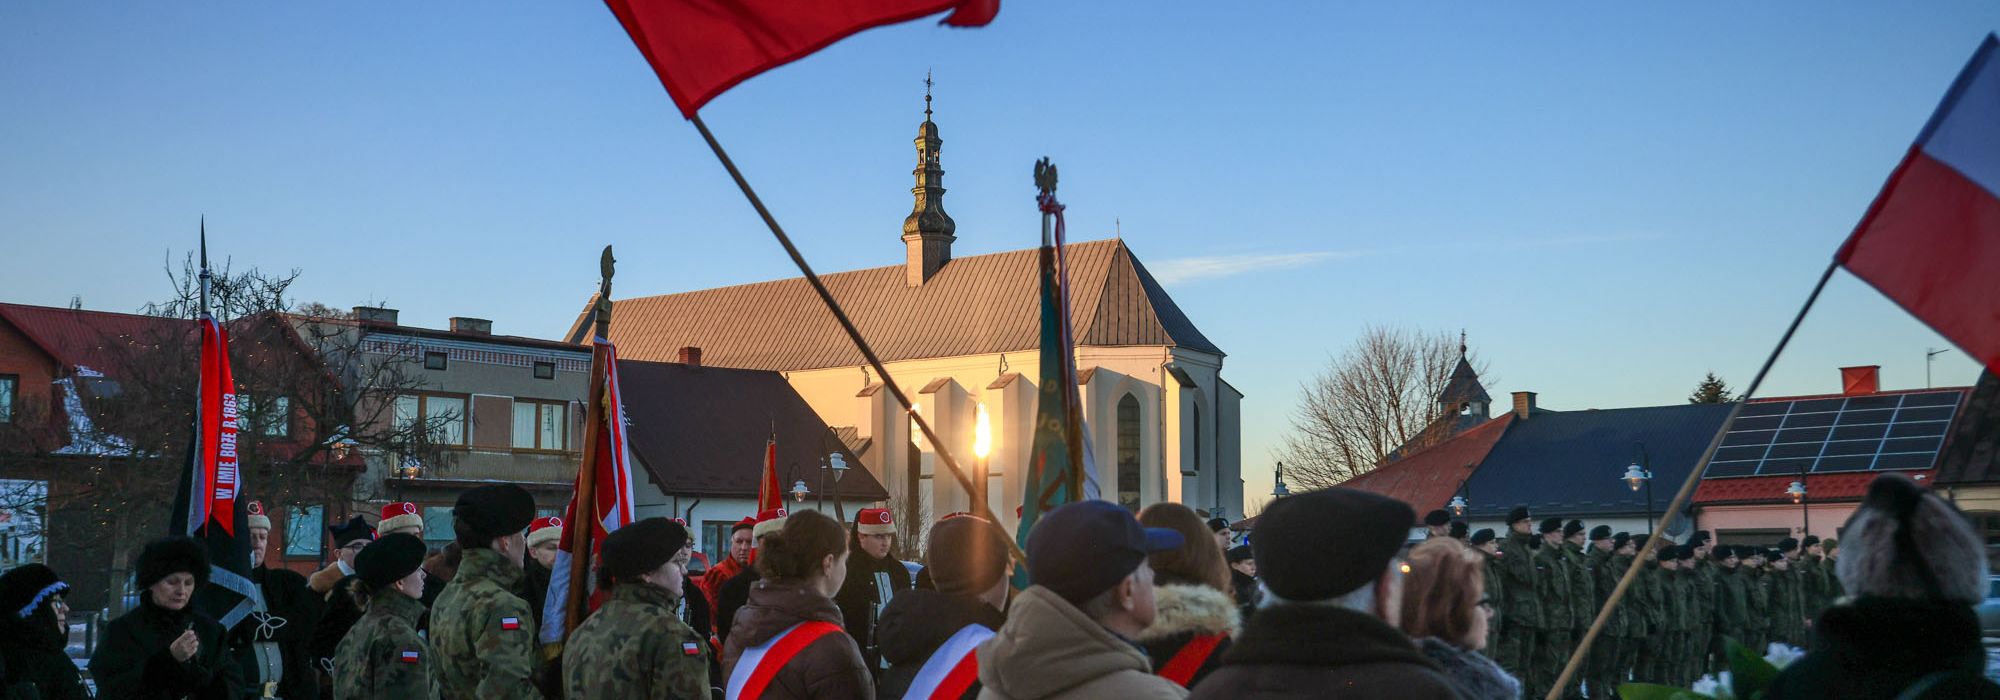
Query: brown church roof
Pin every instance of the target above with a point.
(976, 305)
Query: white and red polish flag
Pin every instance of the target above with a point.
(205, 505)
(603, 491)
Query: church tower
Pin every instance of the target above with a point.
(1464, 395)
(928, 231)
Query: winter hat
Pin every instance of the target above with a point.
(494, 511)
(747, 523)
(1084, 548)
(768, 522)
(255, 517)
(1788, 544)
(1551, 525)
(1906, 542)
(641, 547)
(355, 529)
(168, 556)
(399, 515)
(1458, 529)
(1327, 543)
(1483, 536)
(389, 559)
(1437, 518)
(1723, 552)
(26, 587)
(1572, 527)
(1809, 541)
(1699, 538)
(874, 521)
(1619, 540)
(549, 529)
(1239, 553)
(1518, 514)
(968, 555)
(1217, 524)
(1601, 532)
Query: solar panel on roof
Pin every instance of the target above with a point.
(1824, 435)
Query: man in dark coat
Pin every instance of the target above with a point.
(735, 593)
(969, 568)
(1243, 578)
(874, 578)
(273, 645)
(1521, 604)
(1327, 559)
(339, 611)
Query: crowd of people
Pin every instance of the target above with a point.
(1327, 599)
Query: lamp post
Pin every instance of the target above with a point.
(1798, 493)
(1278, 490)
(1458, 503)
(838, 464)
(982, 445)
(1641, 474)
(799, 491)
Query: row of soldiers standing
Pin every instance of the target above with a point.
(1546, 585)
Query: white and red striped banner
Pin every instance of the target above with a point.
(952, 668)
(610, 499)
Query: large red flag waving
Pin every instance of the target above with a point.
(1931, 240)
(701, 48)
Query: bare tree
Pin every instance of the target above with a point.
(1375, 398)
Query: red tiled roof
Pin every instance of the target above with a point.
(1843, 486)
(1426, 480)
(89, 338)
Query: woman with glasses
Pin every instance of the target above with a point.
(1446, 610)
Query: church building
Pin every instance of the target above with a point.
(960, 336)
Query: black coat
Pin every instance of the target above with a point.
(132, 659)
(534, 587)
(1298, 651)
(1878, 647)
(338, 615)
(1247, 592)
(734, 595)
(32, 657)
(293, 615)
(858, 597)
(913, 627)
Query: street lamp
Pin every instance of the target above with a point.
(799, 490)
(982, 445)
(838, 463)
(1641, 474)
(1798, 493)
(1278, 490)
(1458, 506)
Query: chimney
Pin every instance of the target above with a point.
(475, 326)
(689, 355)
(375, 314)
(1524, 404)
(1866, 379)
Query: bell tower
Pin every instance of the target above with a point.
(927, 231)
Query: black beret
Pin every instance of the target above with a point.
(26, 588)
(1483, 536)
(1723, 551)
(1518, 514)
(1699, 538)
(1684, 552)
(1551, 525)
(1437, 518)
(1789, 544)
(1810, 541)
(389, 559)
(1217, 524)
(1240, 552)
(1619, 540)
(167, 556)
(1327, 543)
(969, 555)
(1600, 532)
(495, 510)
(1572, 527)
(354, 529)
(641, 547)
(1458, 529)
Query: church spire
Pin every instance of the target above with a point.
(927, 232)
(1464, 394)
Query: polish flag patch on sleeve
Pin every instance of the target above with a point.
(690, 649)
(510, 623)
(411, 656)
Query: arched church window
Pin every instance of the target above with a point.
(1128, 452)
(1195, 418)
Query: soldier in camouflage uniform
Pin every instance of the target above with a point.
(1624, 556)
(1521, 609)
(1582, 593)
(1652, 590)
(1553, 645)
(1816, 580)
(1757, 623)
(1692, 642)
(382, 657)
(1600, 559)
(1732, 602)
(635, 646)
(482, 634)
(1787, 614)
(1703, 603)
(1496, 589)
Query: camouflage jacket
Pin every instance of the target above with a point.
(1652, 589)
(1582, 588)
(382, 656)
(1707, 579)
(1552, 570)
(1496, 588)
(1625, 619)
(1521, 606)
(1681, 585)
(1758, 600)
(635, 647)
(1732, 602)
(482, 634)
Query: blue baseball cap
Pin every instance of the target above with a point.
(1083, 549)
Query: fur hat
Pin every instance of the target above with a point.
(399, 515)
(549, 529)
(768, 522)
(254, 516)
(1551, 525)
(874, 521)
(1906, 542)
(168, 556)
(26, 587)
(1518, 514)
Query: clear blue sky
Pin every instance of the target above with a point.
(1611, 200)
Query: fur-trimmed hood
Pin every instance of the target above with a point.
(1192, 608)
(1474, 676)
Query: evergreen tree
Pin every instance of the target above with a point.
(1711, 390)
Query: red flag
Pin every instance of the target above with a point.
(1931, 240)
(701, 48)
(205, 502)
(769, 496)
(602, 503)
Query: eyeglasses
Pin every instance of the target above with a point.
(356, 545)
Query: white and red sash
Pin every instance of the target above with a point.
(759, 664)
(952, 668)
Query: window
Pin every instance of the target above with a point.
(437, 524)
(540, 425)
(434, 359)
(303, 525)
(1128, 452)
(715, 539)
(443, 415)
(1195, 421)
(545, 370)
(270, 417)
(9, 386)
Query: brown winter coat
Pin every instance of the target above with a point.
(1310, 651)
(830, 667)
(1049, 650)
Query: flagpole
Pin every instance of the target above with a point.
(1686, 491)
(580, 532)
(847, 325)
(205, 277)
